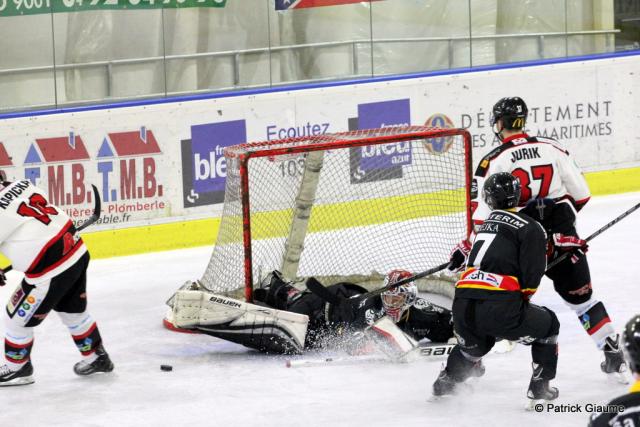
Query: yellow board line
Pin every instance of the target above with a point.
(185, 234)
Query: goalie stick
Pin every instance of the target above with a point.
(428, 351)
(97, 208)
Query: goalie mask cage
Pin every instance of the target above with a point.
(341, 207)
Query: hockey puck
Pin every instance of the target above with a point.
(166, 368)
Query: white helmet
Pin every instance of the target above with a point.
(397, 300)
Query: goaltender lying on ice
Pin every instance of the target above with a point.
(287, 320)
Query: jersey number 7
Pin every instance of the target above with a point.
(543, 173)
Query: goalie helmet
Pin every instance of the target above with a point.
(501, 191)
(397, 300)
(513, 112)
(631, 343)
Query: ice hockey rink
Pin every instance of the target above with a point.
(215, 383)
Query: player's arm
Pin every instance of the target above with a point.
(573, 180)
(533, 257)
(427, 320)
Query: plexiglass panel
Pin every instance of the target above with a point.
(26, 62)
(109, 54)
(414, 36)
(148, 49)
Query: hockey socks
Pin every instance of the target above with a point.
(595, 320)
(17, 353)
(84, 332)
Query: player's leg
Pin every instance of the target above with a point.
(540, 328)
(573, 284)
(275, 292)
(465, 360)
(26, 308)
(254, 326)
(72, 310)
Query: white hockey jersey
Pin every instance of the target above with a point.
(544, 168)
(39, 239)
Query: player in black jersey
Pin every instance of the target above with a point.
(631, 401)
(415, 316)
(553, 191)
(505, 265)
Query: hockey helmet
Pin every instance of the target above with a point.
(501, 191)
(399, 299)
(631, 343)
(513, 112)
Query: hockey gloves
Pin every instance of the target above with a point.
(571, 243)
(458, 257)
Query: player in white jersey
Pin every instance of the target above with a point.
(553, 191)
(40, 240)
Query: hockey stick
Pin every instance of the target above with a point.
(93, 218)
(429, 350)
(96, 210)
(595, 234)
(319, 289)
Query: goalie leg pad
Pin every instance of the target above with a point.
(264, 329)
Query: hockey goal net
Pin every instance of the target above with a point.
(341, 207)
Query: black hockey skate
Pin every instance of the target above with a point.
(478, 369)
(23, 376)
(614, 363)
(539, 389)
(101, 364)
(444, 385)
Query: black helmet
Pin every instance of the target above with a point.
(631, 343)
(501, 191)
(513, 112)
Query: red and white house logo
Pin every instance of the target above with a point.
(127, 165)
(60, 162)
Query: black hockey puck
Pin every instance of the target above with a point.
(166, 368)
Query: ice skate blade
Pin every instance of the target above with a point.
(532, 403)
(18, 381)
(433, 398)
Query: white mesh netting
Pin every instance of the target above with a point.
(345, 212)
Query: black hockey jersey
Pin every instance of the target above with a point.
(422, 320)
(507, 259)
(613, 417)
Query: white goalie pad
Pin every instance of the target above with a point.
(254, 326)
(394, 341)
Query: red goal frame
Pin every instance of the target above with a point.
(290, 146)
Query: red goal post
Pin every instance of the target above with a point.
(341, 207)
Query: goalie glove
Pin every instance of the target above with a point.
(459, 255)
(571, 243)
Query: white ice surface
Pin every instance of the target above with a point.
(214, 383)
